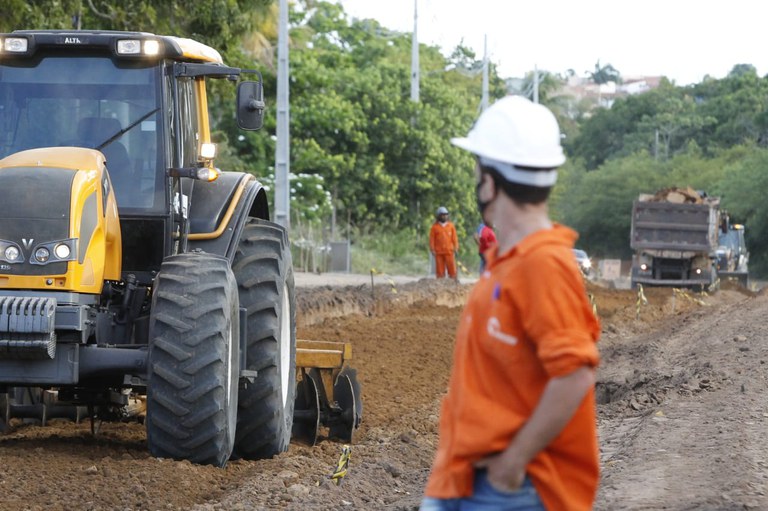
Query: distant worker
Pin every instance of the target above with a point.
(485, 239)
(443, 243)
(518, 426)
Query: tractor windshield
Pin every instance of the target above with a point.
(88, 101)
(732, 239)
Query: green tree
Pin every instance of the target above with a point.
(598, 204)
(605, 74)
(742, 192)
(381, 155)
(738, 104)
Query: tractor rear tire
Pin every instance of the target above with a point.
(194, 360)
(264, 273)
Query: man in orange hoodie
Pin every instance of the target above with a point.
(518, 424)
(443, 243)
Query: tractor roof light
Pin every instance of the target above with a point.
(128, 47)
(151, 47)
(138, 47)
(15, 45)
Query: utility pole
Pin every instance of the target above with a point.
(415, 56)
(535, 84)
(484, 100)
(282, 149)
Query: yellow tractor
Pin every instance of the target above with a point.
(136, 278)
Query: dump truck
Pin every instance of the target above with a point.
(137, 279)
(674, 236)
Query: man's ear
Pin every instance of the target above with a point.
(491, 183)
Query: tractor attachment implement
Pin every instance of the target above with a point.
(327, 391)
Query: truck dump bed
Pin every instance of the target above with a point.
(668, 226)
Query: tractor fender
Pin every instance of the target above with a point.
(220, 209)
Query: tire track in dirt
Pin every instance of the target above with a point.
(702, 445)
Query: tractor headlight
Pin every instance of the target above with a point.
(208, 151)
(62, 251)
(12, 254)
(54, 252)
(644, 267)
(42, 255)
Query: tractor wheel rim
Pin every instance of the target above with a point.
(230, 349)
(285, 345)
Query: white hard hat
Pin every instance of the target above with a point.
(442, 210)
(515, 132)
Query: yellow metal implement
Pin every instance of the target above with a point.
(327, 391)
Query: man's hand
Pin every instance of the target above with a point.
(505, 473)
(558, 403)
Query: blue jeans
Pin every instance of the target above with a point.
(487, 498)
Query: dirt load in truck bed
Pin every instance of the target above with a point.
(683, 414)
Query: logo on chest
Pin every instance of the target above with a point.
(494, 330)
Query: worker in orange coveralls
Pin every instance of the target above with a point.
(443, 243)
(518, 425)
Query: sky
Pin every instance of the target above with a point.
(684, 40)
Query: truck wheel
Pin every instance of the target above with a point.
(264, 274)
(194, 360)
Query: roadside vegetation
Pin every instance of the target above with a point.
(371, 166)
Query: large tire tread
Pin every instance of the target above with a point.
(193, 312)
(263, 270)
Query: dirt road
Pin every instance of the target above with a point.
(683, 414)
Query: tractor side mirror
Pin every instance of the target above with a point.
(250, 105)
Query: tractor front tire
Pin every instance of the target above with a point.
(264, 274)
(194, 360)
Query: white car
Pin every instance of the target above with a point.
(585, 263)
